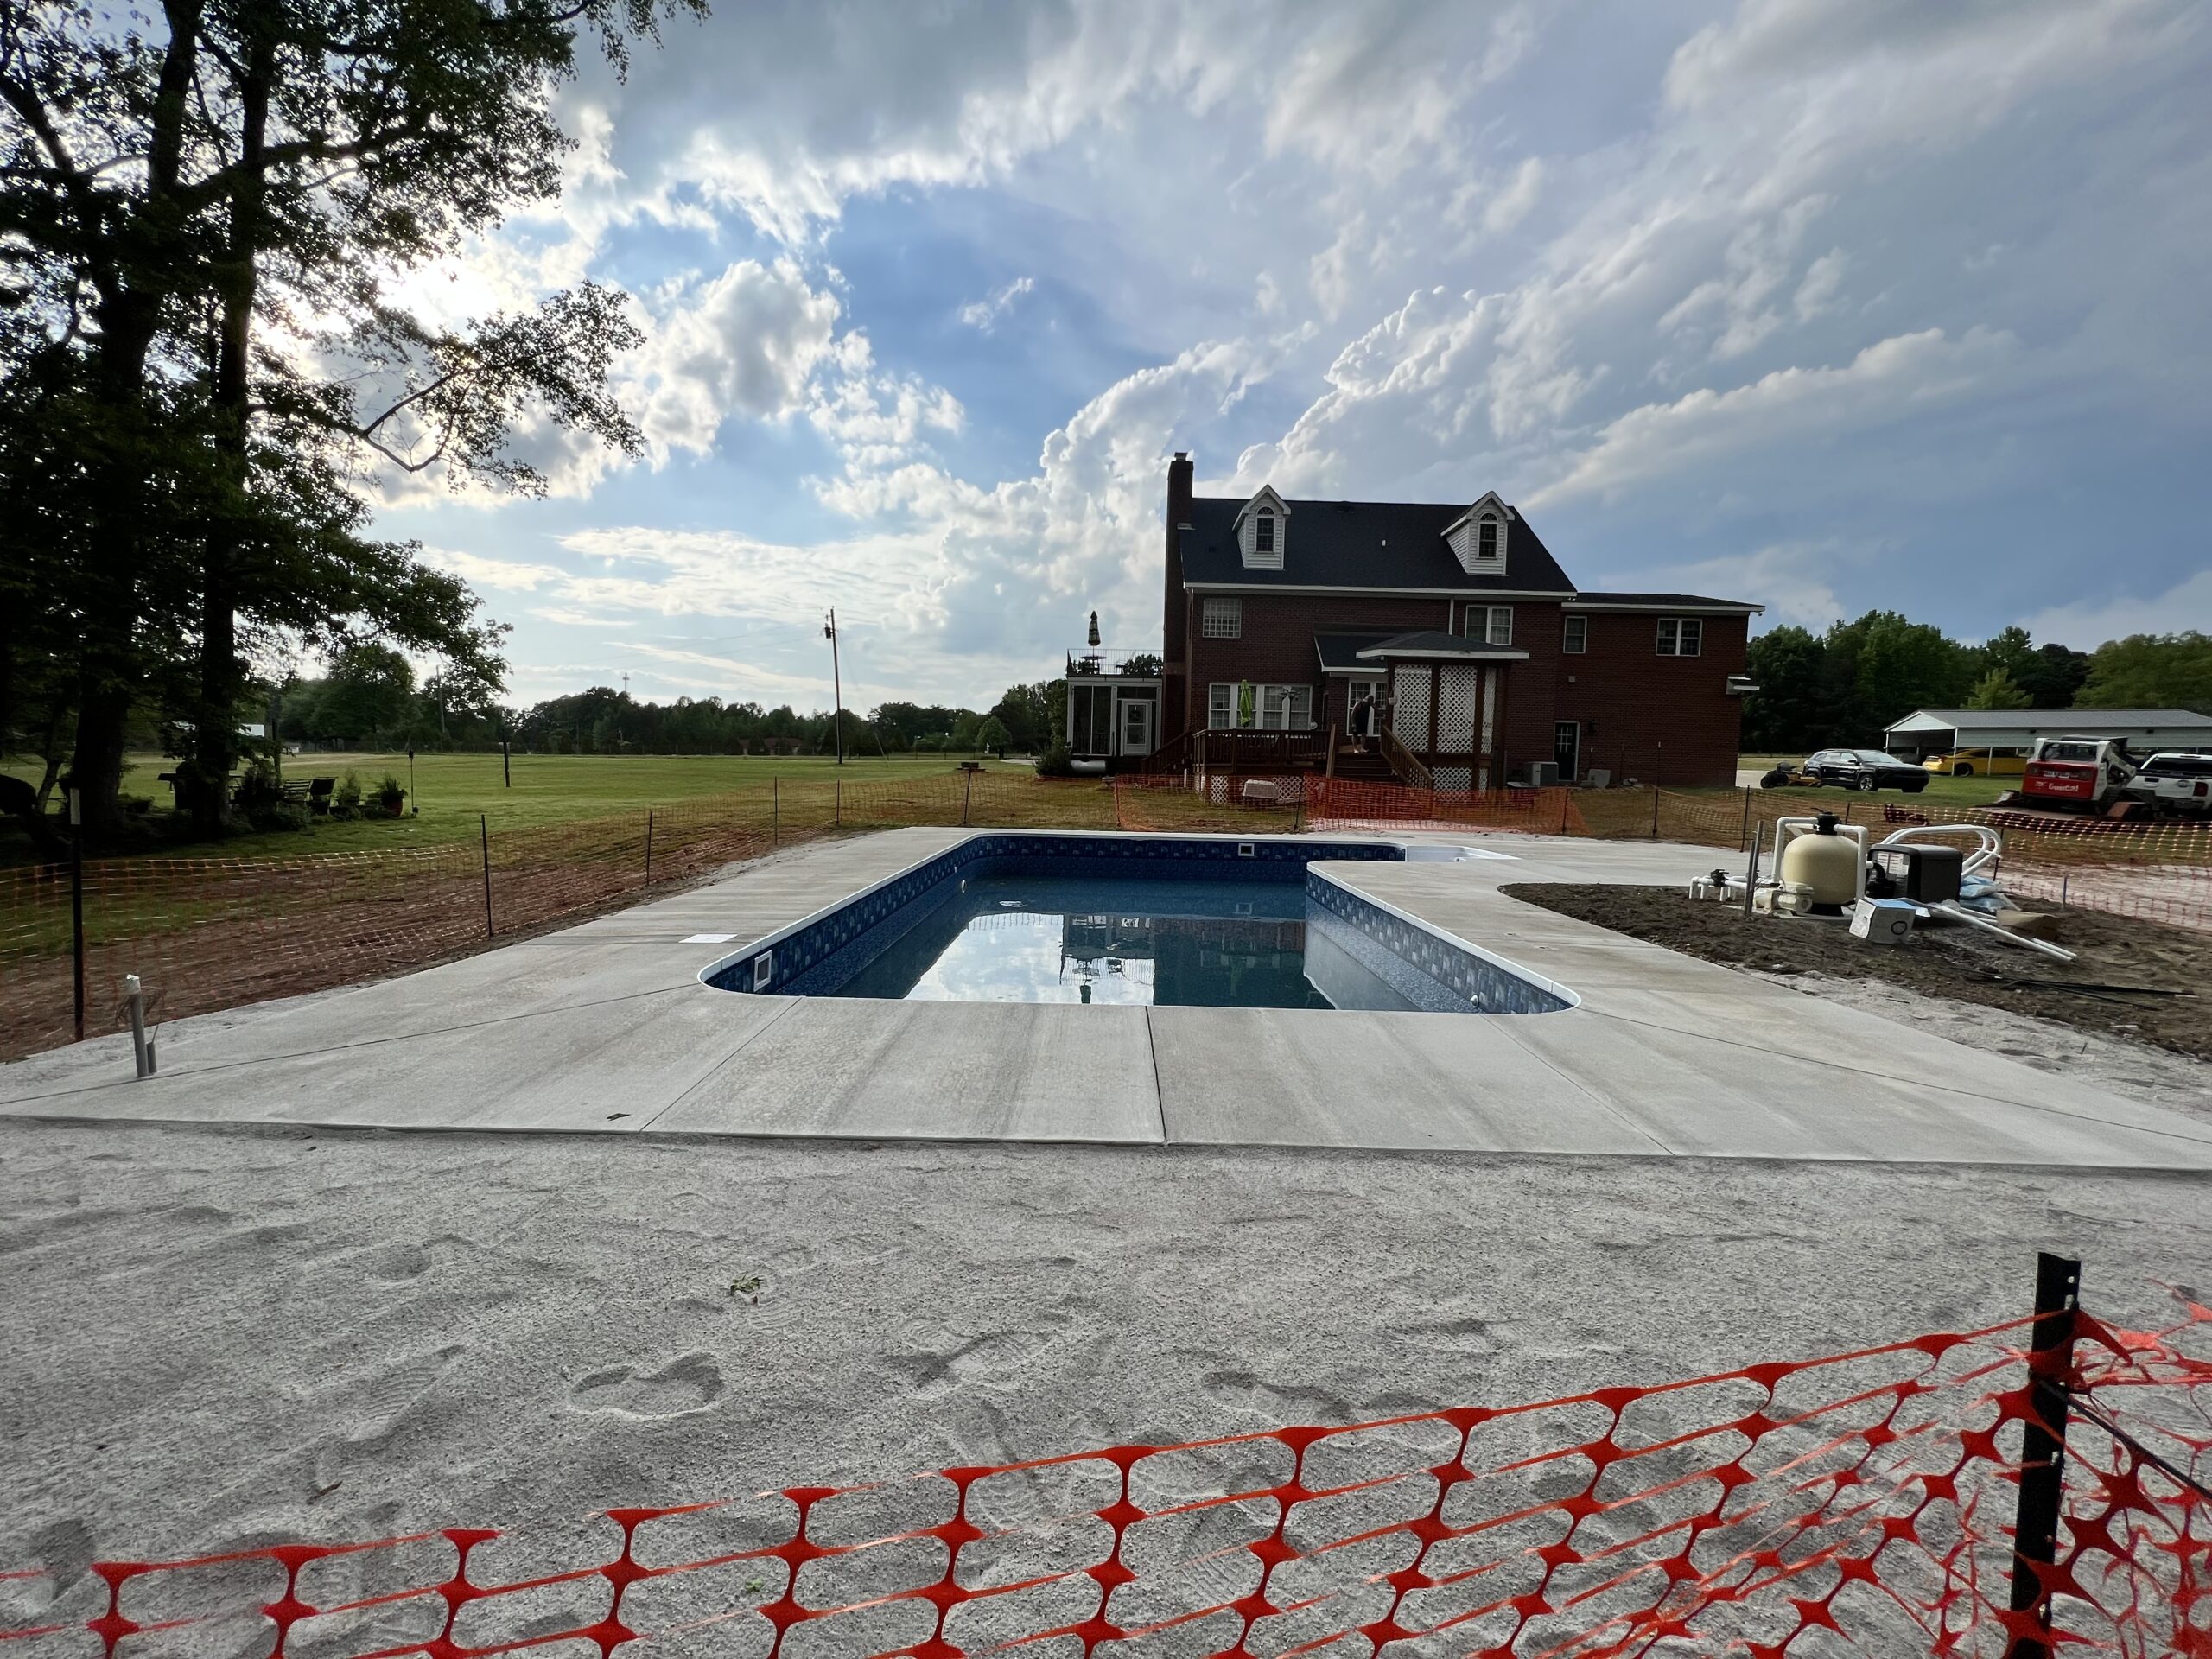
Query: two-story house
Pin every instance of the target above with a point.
(1478, 651)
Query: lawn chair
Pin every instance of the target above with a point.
(318, 796)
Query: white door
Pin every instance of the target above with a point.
(1136, 726)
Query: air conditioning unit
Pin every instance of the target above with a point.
(1741, 685)
(1544, 774)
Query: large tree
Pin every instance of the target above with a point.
(202, 224)
(2151, 671)
(1790, 710)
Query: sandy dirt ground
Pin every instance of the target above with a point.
(220, 1337)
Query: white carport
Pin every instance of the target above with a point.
(1939, 731)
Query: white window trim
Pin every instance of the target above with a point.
(1231, 613)
(1566, 643)
(1662, 647)
(1486, 617)
(1265, 503)
(1221, 701)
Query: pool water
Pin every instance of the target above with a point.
(1021, 939)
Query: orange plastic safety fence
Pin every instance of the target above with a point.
(1856, 1503)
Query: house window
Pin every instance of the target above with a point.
(1491, 623)
(1578, 636)
(1221, 619)
(1286, 708)
(1486, 538)
(1272, 708)
(1263, 533)
(1680, 636)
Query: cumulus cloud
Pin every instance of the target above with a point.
(746, 342)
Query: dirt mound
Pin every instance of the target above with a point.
(1950, 961)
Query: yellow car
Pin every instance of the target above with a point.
(1976, 763)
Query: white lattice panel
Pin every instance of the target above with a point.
(1456, 684)
(1409, 713)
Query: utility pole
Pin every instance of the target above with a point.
(836, 683)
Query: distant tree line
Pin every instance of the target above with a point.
(1848, 684)
(370, 699)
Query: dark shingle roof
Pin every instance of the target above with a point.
(1340, 652)
(1435, 642)
(1683, 601)
(1362, 544)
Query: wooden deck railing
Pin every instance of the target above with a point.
(1409, 771)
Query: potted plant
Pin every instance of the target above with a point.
(392, 795)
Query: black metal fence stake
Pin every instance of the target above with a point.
(1655, 812)
(775, 813)
(2043, 1452)
(77, 902)
(967, 790)
(649, 847)
(484, 833)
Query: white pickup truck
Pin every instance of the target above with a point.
(2179, 784)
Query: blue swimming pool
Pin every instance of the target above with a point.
(1202, 921)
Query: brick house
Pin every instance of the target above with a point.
(1483, 656)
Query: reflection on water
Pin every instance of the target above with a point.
(1174, 943)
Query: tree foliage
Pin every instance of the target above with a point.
(1998, 689)
(205, 221)
(2151, 671)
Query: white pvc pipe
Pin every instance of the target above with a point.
(1957, 913)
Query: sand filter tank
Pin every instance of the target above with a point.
(1826, 863)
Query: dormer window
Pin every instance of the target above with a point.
(1262, 529)
(1478, 535)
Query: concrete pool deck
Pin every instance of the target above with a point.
(604, 1028)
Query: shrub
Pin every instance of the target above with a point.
(136, 805)
(1056, 762)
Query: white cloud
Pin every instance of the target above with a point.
(502, 575)
(2086, 624)
(984, 314)
(1886, 382)
(1518, 199)
(745, 343)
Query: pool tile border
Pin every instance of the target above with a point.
(1434, 971)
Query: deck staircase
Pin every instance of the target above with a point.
(1366, 764)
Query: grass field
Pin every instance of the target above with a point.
(450, 791)
(447, 792)
(1948, 791)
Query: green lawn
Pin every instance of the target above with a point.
(1949, 792)
(450, 791)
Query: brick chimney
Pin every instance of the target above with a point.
(1179, 471)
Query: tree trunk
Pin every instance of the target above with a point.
(133, 292)
(222, 679)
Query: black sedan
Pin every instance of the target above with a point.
(1867, 769)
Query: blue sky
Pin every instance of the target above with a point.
(1824, 303)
